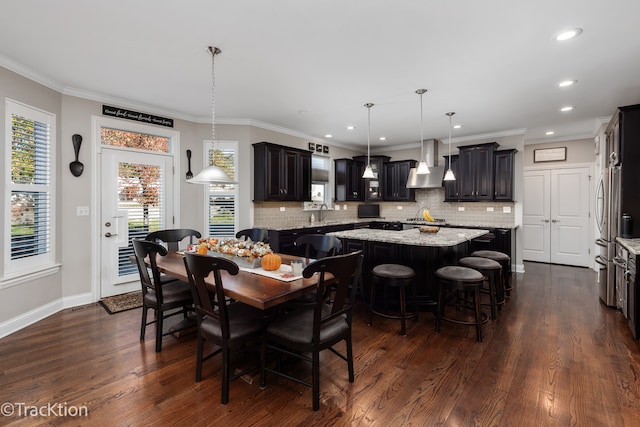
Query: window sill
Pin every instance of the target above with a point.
(28, 276)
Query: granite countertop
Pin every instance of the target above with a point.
(413, 237)
(632, 245)
(474, 224)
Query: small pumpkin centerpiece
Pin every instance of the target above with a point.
(271, 262)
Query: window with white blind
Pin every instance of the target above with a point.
(222, 199)
(29, 195)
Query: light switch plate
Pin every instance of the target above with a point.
(82, 210)
(399, 208)
(336, 208)
(506, 209)
(460, 208)
(489, 209)
(344, 207)
(282, 209)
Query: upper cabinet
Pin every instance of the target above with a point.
(476, 172)
(395, 181)
(373, 186)
(482, 174)
(349, 184)
(281, 173)
(503, 175)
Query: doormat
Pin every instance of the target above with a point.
(122, 302)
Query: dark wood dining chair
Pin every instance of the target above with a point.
(255, 234)
(319, 327)
(318, 245)
(314, 246)
(173, 237)
(231, 326)
(162, 297)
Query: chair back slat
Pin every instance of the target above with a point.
(255, 234)
(172, 237)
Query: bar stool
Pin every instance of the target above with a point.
(468, 280)
(505, 262)
(491, 270)
(394, 276)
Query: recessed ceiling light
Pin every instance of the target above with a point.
(328, 135)
(566, 83)
(567, 108)
(350, 127)
(457, 126)
(383, 138)
(549, 132)
(303, 112)
(567, 34)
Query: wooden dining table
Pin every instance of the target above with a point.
(253, 289)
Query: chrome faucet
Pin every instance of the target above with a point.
(320, 214)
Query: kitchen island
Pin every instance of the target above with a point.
(424, 252)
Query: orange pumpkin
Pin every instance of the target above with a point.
(271, 262)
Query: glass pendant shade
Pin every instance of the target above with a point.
(422, 168)
(368, 172)
(449, 176)
(212, 174)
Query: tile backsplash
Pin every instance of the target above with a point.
(268, 214)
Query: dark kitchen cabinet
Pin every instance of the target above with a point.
(633, 296)
(373, 187)
(281, 173)
(503, 175)
(451, 188)
(349, 185)
(395, 181)
(476, 172)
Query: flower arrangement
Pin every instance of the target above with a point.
(247, 249)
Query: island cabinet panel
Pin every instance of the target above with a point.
(425, 260)
(283, 241)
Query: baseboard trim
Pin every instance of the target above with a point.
(22, 321)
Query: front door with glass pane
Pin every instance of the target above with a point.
(136, 199)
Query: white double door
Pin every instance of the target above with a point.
(556, 216)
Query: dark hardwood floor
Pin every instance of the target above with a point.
(554, 357)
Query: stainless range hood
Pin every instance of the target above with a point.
(432, 179)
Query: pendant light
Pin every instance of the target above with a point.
(212, 174)
(449, 176)
(368, 172)
(423, 168)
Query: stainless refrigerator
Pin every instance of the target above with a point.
(607, 215)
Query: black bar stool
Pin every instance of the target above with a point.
(457, 278)
(505, 262)
(491, 270)
(395, 276)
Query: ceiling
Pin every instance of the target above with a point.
(307, 67)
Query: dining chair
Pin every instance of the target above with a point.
(314, 246)
(172, 237)
(318, 245)
(230, 325)
(320, 327)
(255, 234)
(161, 297)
